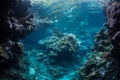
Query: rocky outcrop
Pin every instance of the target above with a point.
(15, 23)
(104, 63)
(95, 68)
(113, 24)
(14, 20)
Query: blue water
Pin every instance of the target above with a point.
(80, 18)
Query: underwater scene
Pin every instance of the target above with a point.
(60, 40)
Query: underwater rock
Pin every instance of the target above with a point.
(15, 23)
(106, 67)
(93, 68)
(12, 26)
(113, 18)
(102, 42)
(113, 14)
(21, 9)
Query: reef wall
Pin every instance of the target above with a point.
(15, 23)
(104, 63)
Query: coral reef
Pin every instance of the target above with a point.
(101, 42)
(104, 63)
(60, 46)
(15, 23)
(113, 24)
(94, 68)
(58, 55)
(9, 50)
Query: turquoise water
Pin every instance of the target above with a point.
(78, 20)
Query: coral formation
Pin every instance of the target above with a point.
(61, 46)
(101, 38)
(104, 63)
(59, 52)
(113, 21)
(15, 22)
(92, 68)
